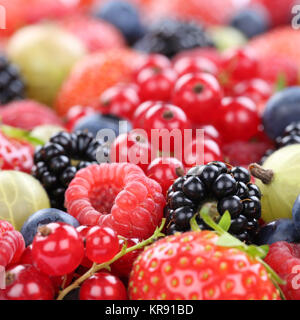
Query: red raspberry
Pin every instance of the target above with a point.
(12, 246)
(284, 258)
(5, 226)
(116, 195)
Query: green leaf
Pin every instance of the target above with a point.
(255, 251)
(280, 82)
(21, 134)
(225, 221)
(227, 240)
(194, 224)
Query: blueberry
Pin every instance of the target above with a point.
(43, 217)
(251, 21)
(296, 214)
(96, 122)
(281, 110)
(125, 17)
(279, 230)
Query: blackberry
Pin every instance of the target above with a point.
(221, 189)
(170, 36)
(291, 135)
(11, 84)
(57, 162)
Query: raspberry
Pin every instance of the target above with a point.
(12, 246)
(5, 226)
(284, 258)
(116, 195)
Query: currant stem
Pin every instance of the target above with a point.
(265, 175)
(96, 267)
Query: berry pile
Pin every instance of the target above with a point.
(130, 139)
(229, 188)
(11, 84)
(57, 162)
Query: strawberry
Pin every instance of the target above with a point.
(94, 74)
(28, 114)
(15, 153)
(193, 266)
(282, 41)
(274, 68)
(94, 33)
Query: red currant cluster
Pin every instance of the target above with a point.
(201, 89)
(62, 257)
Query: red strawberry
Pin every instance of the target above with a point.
(284, 258)
(274, 67)
(28, 114)
(281, 41)
(94, 33)
(192, 266)
(94, 74)
(15, 154)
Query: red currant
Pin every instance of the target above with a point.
(155, 83)
(123, 266)
(139, 114)
(103, 286)
(83, 230)
(256, 89)
(238, 119)
(24, 282)
(197, 154)
(165, 171)
(209, 53)
(132, 147)
(239, 65)
(75, 114)
(154, 60)
(186, 65)
(57, 249)
(211, 132)
(199, 95)
(101, 244)
(61, 282)
(26, 257)
(166, 117)
(120, 100)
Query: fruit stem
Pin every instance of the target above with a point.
(97, 267)
(265, 175)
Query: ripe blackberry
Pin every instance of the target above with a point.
(57, 162)
(220, 189)
(291, 135)
(11, 84)
(170, 36)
